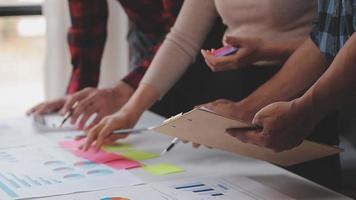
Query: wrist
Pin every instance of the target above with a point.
(246, 110)
(305, 105)
(121, 93)
(141, 100)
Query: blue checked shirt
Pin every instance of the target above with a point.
(336, 24)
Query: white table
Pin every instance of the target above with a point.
(208, 162)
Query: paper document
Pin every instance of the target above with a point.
(215, 188)
(205, 127)
(222, 188)
(44, 171)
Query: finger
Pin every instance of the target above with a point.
(258, 119)
(213, 105)
(185, 141)
(104, 133)
(97, 119)
(92, 135)
(251, 137)
(85, 117)
(42, 110)
(203, 53)
(79, 137)
(196, 145)
(240, 56)
(84, 106)
(113, 138)
(234, 41)
(223, 63)
(73, 99)
(81, 108)
(33, 109)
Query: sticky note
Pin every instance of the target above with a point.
(70, 144)
(117, 147)
(139, 155)
(97, 157)
(123, 164)
(162, 169)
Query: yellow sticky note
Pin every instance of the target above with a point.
(139, 155)
(117, 147)
(162, 169)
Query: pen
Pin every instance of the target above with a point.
(131, 131)
(68, 115)
(170, 147)
(125, 131)
(249, 128)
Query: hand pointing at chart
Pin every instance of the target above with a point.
(102, 132)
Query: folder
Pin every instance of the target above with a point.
(208, 128)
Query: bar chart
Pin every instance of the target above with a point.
(201, 188)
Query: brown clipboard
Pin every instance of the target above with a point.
(208, 128)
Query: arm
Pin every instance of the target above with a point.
(337, 87)
(86, 39)
(252, 50)
(300, 71)
(286, 124)
(172, 59)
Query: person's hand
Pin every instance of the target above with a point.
(229, 109)
(101, 133)
(284, 126)
(248, 53)
(101, 102)
(47, 107)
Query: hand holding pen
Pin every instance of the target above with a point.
(68, 115)
(102, 133)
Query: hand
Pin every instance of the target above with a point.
(101, 133)
(229, 109)
(101, 102)
(284, 126)
(248, 53)
(47, 107)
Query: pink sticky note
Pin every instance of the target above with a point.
(70, 144)
(123, 164)
(97, 157)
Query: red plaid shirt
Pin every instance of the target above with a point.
(88, 33)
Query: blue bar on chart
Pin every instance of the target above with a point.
(201, 189)
(187, 186)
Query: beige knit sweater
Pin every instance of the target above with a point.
(270, 20)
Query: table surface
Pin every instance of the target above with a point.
(204, 162)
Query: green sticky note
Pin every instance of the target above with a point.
(139, 155)
(117, 147)
(162, 169)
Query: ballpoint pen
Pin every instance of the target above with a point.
(124, 131)
(68, 115)
(131, 131)
(170, 147)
